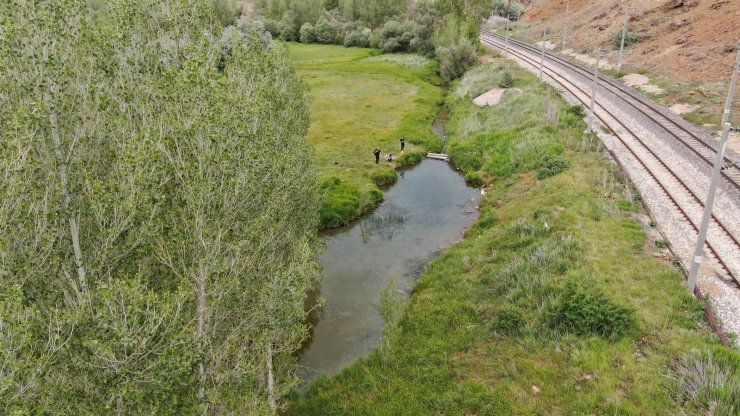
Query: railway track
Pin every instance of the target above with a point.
(681, 196)
(694, 142)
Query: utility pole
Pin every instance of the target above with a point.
(518, 18)
(699, 249)
(506, 43)
(594, 86)
(621, 47)
(542, 52)
(565, 26)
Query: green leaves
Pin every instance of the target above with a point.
(158, 212)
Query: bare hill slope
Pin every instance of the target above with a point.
(693, 39)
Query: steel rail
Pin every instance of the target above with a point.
(553, 74)
(693, 142)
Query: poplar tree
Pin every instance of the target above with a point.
(157, 212)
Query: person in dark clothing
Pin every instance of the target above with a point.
(403, 144)
(376, 152)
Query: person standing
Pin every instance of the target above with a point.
(376, 152)
(403, 143)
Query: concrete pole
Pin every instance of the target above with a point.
(699, 249)
(506, 43)
(565, 26)
(542, 52)
(621, 47)
(518, 18)
(595, 85)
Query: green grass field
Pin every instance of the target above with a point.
(360, 102)
(557, 302)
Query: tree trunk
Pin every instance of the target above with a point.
(270, 380)
(74, 228)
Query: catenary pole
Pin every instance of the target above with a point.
(701, 238)
(594, 86)
(542, 52)
(518, 17)
(506, 43)
(621, 46)
(565, 26)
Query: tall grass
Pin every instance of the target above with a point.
(552, 304)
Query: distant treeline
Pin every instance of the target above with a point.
(445, 29)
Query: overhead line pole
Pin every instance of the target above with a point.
(565, 26)
(542, 52)
(701, 238)
(621, 46)
(594, 86)
(506, 43)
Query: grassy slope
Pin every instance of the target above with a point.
(448, 359)
(359, 102)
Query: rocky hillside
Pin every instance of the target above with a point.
(692, 39)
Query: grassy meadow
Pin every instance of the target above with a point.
(360, 102)
(557, 302)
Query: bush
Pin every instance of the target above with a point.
(576, 110)
(383, 176)
(275, 27)
(391, 45)
(455, 59)
(551, 166)
(343, 202)
(465, 155)
(708, 382)
(289, 34)
(507, 81)
(507, 320)
(410, 158)
(586, 312)
(630, 39)
(327, 31)
(308, 33)
(356, 38)
(474, 179)
(504, 8)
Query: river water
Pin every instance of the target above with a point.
(426, 211)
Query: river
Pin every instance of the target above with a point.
(426, 211)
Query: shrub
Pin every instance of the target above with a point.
(507, 8)
(410, 158)
(487, 219)
(289, 34)
(356, 38)
(629, 39)
(275, 27)
(585, 312)
(551, 166)
(507, 81)
(391, 45)
(576, 110)
(383, 176)
(465, 155)
(507, 320)
(474, 179)
(327, 31)
(455, 59)
(343, 202)
(708, 382)
(308, 33)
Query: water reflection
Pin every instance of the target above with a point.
(426, 211)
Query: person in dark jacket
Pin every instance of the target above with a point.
(403, 143)
(376, 152)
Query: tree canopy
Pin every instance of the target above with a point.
(158, 211)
